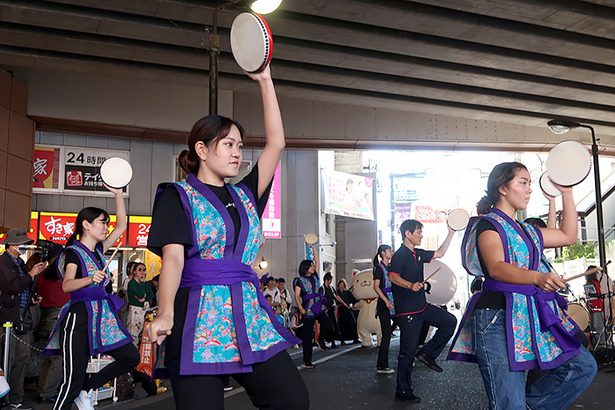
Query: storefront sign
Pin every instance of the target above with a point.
(46, 168)
(56, 227)
(82, 169)
(427, 214)
(138, 230)
(272, 217)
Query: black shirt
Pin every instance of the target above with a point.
(71, 257)
(379, 275)
(493, 300)
(169, 221)
(409, 265)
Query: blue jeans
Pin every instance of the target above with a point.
(554, 389)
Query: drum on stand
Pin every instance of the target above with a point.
(579, 314)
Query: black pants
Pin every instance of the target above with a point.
(385, 326)
(306, 334)
(273, 384)
(329, 328)
(76, 354)
(410, 327)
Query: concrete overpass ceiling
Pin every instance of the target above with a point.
(515, 61)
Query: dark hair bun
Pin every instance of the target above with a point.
(188, 163)
(484, 206)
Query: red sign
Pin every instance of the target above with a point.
(45, 173)
(56, 227)
(138, 230)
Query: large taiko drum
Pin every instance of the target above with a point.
(579, 314)
(443, 283)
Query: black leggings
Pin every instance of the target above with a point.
(76, 354)
(306, 333)
(273, 384)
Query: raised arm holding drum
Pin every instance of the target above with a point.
(518, 314)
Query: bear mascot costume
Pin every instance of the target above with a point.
(367, 322)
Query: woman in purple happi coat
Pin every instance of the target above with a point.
(89, 324)
(212, 317)
(517, 322)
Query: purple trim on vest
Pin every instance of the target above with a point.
(245, 224)
(531, 246)
(498, 227)
(183, 197)
(199, 272)
(220, 207)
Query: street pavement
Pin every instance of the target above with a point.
(346, 378)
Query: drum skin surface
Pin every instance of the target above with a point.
(458, 219)
(116, 172)
(251, 42)
(547, 186)
(568, 163)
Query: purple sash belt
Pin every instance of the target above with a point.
(232, 273)
(96, 293)
(547, 318)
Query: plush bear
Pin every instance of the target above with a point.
(367, 323)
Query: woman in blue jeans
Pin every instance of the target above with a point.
(517, 323)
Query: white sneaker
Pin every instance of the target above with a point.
(385, 370)
(228, 388)
(84, 401)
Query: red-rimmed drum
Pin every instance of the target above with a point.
(251, 42)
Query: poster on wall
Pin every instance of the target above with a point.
(427, 214)
(348, 195)
(272, 217)
(46, 169)
(81, 172)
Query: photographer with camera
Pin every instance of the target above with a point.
(15, 284)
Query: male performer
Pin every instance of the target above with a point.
(412, 310)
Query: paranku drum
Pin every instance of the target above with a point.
(251, 42)
(116, 172)
(310, 238)
(569, 163)
(579, 314)
(547, 185)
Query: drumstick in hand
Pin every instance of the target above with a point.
(580, 275)
(110, 259)
(431, 276)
